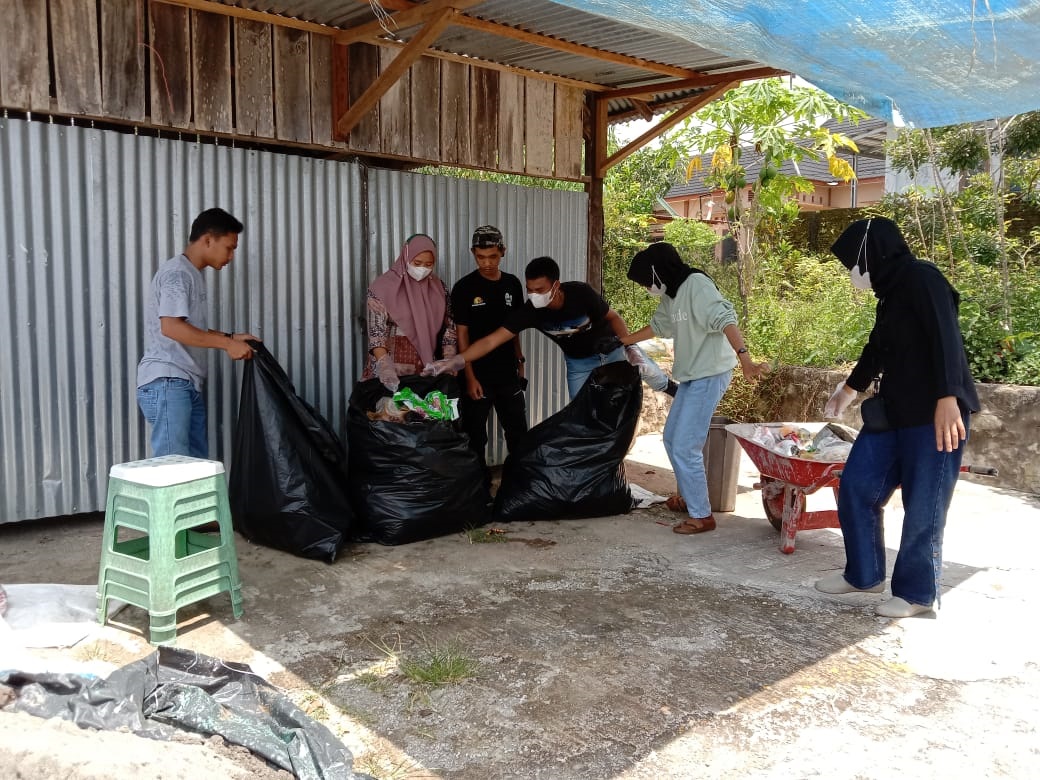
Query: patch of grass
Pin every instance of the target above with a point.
(486, 535)
(383, 767)
(374, 681)
(438, 665)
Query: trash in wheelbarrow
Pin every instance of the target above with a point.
(831, 442)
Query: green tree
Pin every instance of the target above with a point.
(630, 193)
(779, 122)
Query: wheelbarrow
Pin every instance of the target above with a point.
(787, 480)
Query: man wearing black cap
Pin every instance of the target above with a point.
(480, 302)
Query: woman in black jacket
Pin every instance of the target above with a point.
(913, 435)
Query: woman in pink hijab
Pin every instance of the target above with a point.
(409, 316)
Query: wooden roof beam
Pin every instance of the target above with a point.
(701, 80)
(373, 29)
(690, 108)
(411, 16)
(251, 15)
(548, 42)
(409, 54)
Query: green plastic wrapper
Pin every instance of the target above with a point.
(435, 406)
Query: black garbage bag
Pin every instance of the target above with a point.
(175, 690)
(572, 464)
(411, 480)
(288, 481)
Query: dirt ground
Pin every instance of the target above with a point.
(602, 648)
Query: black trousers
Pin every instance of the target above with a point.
(510, 405)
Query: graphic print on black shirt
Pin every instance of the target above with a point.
(482, 306)
(576, 327)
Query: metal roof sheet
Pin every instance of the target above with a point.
(543, 18)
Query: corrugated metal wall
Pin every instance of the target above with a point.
(87, 215)
(85, 218)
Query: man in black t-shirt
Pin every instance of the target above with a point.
(481, 301)
(572, 314)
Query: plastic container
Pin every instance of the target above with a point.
(721, 465)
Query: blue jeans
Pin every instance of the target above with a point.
(685, 433)
(877, 465)
(176, 413)
(578, 369)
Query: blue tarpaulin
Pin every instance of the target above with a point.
(930, 62)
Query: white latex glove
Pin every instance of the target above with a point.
(387, 373)
(634, 356)
(447, 366)
(839, 401)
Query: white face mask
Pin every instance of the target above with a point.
(656, 289)
(540, 300)
(419, 272)
(861, 279)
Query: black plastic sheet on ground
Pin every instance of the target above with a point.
(175, 689)
(287, 486)
(411, 480)
(572, 464)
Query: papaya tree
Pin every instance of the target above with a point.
(774, 122)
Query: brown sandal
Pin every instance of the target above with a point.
(676, 503)
(695, 525)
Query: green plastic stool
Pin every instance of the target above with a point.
(171, 565)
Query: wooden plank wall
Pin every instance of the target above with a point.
(157, 65)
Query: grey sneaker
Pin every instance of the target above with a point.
(896, 607)
(836, 584)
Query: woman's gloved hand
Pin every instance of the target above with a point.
(839, 400)
(634, 356)
(449, 365)
(387, 374)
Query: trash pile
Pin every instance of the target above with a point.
(408, 406)
(831, 444)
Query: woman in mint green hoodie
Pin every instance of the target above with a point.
(708, 346)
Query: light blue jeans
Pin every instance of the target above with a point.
(176, 412)
(579, 369)
(685, 433)
(877, 465)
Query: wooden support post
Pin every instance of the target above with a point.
(595, 156)
(701, 100)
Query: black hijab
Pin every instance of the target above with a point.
(660, 258)
(883, 254)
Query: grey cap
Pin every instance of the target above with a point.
(487, 236)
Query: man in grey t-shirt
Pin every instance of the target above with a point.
(171, 373)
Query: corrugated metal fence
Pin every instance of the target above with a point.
(86, 216)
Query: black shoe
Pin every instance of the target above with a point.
(672, 388)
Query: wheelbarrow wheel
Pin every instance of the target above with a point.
(773, 502)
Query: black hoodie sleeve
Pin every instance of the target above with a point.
(938, 316)
(867, 367)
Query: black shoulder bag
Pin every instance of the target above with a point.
(875, 416)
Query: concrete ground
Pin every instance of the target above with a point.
(614, 648)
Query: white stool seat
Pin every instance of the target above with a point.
(166, 470)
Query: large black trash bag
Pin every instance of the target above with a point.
(287, 487)
(173, 691)
(572, 464)
(411, 480)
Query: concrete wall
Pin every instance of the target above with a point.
(1005, 435)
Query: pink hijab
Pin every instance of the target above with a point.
(416, 307)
